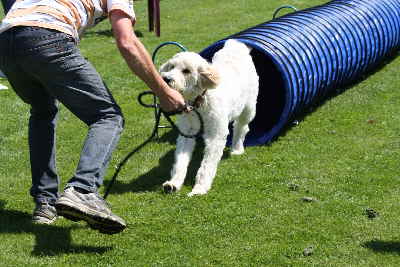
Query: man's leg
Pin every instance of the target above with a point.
(42, 147)
(84, 93)
(42, 123)
(41, 135)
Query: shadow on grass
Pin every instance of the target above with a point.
(107, 33)
(383, 246)
(153, 179)
(50, 240)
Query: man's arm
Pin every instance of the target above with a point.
(139, 61)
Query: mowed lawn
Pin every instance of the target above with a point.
(303, 200)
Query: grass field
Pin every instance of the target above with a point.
(345, 155)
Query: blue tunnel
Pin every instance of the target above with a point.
(303, 56)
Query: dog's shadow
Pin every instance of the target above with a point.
(154, 178)
(49, 240)
(381, 246)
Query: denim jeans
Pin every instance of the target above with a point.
(45, 67)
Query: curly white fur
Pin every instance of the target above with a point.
(230, 84)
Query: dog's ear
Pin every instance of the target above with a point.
(209, 78)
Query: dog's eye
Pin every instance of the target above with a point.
(185, 71)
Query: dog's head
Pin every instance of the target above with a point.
(190, 74)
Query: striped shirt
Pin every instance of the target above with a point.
(69, 16)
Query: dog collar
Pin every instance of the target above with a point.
(199, 100)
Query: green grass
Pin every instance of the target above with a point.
(345, 155)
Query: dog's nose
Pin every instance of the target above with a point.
(167, 80)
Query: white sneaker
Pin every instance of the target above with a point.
(91, 208)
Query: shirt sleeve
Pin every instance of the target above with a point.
(125, 5)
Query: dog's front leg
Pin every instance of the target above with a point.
(213, 152)
(183, 154)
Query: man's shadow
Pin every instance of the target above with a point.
(50, 240)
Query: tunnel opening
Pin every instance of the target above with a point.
(271, 99)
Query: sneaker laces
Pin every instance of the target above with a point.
(103, 200)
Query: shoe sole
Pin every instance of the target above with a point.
(97, 221)
(44, 221)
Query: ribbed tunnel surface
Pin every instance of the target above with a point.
(302, 56)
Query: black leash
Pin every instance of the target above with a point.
(167, 115)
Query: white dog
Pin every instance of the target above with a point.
(221, 92)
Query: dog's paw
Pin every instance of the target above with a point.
(237, 151)
(169, 188)
(197, 192)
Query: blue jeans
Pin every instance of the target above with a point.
(45, 67)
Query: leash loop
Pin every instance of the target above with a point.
(141, 102)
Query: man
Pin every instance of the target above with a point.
(39, 55)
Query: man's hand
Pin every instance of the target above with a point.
(168, 103)
(139, 61)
